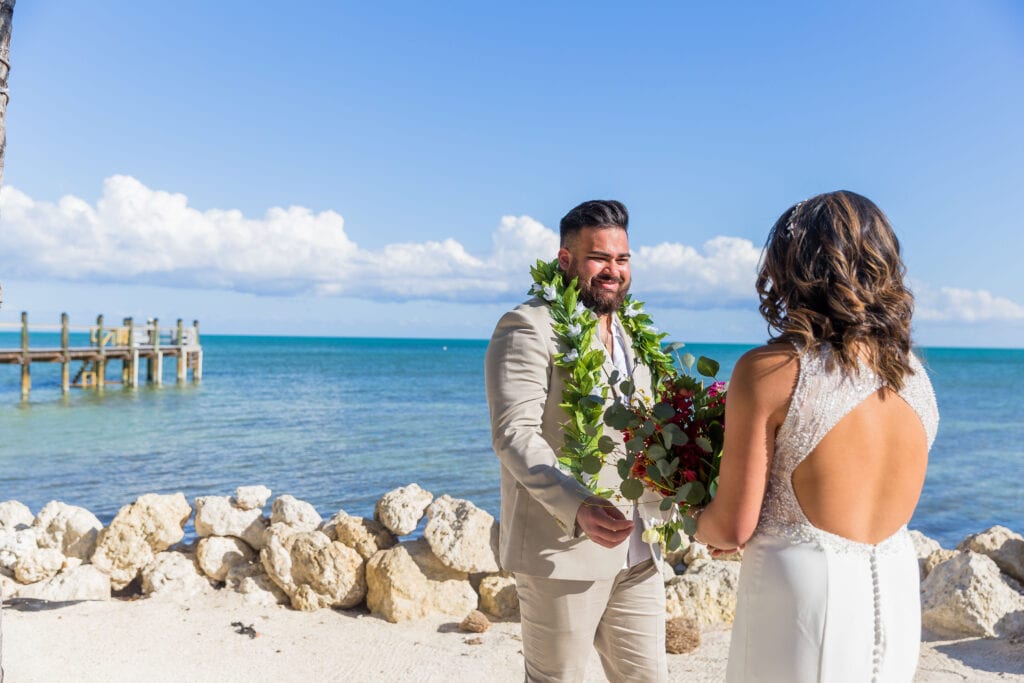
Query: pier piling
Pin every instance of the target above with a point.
(127, 343)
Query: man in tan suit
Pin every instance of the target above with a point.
(583, 574)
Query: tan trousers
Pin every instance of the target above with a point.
(623, 617)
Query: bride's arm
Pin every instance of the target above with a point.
(759, 392)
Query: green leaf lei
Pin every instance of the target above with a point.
(585, 391)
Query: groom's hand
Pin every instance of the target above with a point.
(602, 522)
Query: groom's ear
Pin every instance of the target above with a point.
(564, 259)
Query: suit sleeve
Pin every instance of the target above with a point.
(517, 372)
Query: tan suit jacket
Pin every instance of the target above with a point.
(538, 500)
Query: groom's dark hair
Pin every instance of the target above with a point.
(596, 213)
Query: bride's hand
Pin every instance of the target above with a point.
(718, 552)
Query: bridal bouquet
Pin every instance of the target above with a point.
(674, 447)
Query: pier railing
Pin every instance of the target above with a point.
(127, 342)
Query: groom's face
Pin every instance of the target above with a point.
(599, 257)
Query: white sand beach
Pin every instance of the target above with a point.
(156, 639)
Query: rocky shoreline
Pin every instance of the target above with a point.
(292, 556)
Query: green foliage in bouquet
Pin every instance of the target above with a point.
(674, 447)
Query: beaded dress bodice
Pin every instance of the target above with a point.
(823, 396)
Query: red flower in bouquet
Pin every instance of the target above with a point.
(674, 447)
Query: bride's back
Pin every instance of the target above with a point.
(863, 479)
(831, 281)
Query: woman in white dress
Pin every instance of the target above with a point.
(828, 428)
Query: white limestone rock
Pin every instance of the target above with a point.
(401, 509)
(462, 536)
(935, 559)
(923, 546)
(71, 529)
(696, 552)
(216, 555)
(40, 565)
(409, 582)
(138, 532)
(250, 579)
(216, 516)
(84, 582)
(251, 497)
(15, 516)
(1005, 547)
(328, 526)
(498, 596)
(14, 544)
(365, 536)
(705, 593)
(174, 575)
(297, 514)
(967, 596)
(314, 571)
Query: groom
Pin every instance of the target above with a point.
(583, 574)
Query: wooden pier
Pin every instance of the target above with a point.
(128, 343)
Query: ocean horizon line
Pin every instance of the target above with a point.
(394, 338)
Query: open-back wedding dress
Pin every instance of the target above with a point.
(814, 606)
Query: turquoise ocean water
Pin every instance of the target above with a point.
(338, 422)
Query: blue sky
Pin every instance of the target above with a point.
(347, 169)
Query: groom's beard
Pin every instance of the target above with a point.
(601, 301)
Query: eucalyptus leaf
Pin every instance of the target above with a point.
(675, 540)
(674, 346)
(678, 436)
(703, 443)
(656, 452)
(689, 360)
(665, 467)
(664, 411)
(606, 444)
(631, 489)
(636, 444)
(627, 387)
(647, 428)
(707, 366)
(689, 526)
(666, 504)
(696, 494)
(618, 416)
(623, 469)
(591, 464)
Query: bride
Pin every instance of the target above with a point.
(828, 431)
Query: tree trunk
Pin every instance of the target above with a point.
(6, 19)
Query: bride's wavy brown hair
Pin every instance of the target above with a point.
(831, 274)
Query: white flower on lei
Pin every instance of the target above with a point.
(549, 293)
(635, 309)
(571, 357)
(575, 330)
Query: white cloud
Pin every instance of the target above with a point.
(678, 274)
(950, 304)
(137, 235)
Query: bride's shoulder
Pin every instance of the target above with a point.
(772, 359)
(768, 373)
